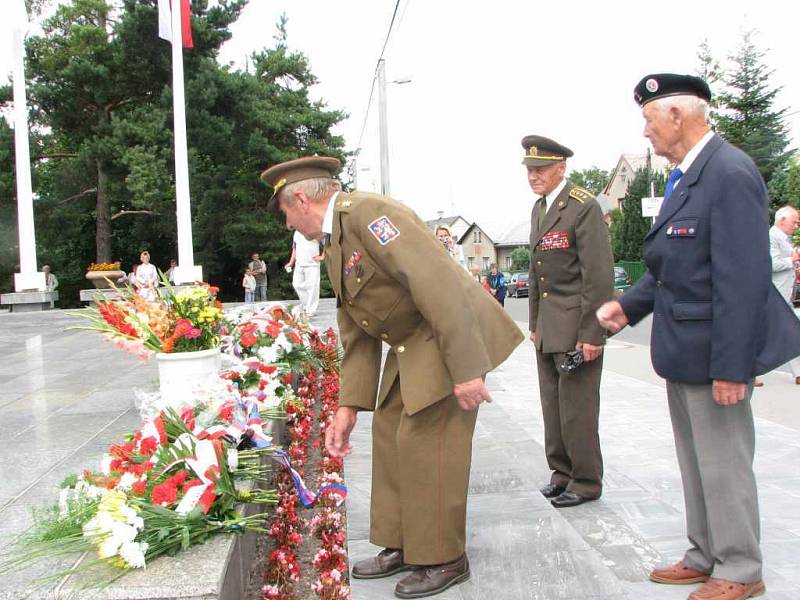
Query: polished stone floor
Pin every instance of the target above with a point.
(65, 395)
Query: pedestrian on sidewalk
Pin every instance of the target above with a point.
(259, 269)
(382, 261)
(497, 284)
(718, 322)
(570, 277)
(305, 260)
(784, 256)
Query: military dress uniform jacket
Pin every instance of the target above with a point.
(571, 271)
(716, 314)
(395, 283)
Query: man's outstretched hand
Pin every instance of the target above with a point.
(337, 435)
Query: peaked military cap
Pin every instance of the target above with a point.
(661, 85)
(541, 151)
(299, 169)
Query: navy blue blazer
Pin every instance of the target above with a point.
(716, 314)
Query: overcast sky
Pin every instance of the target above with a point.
(485, 74)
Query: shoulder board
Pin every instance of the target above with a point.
(580, 194)
(343, 203)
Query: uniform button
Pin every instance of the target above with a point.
(401, 349)
(659, 283)
(541, 278)
(384, 336)
(365, 323)
(358, 279)
(350, 303)
(538, 263)
(544, 295)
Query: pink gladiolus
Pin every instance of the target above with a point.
(193, 333)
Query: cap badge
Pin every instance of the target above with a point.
(651, 85)
(280, 183)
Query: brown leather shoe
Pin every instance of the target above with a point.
(721, 589)
(430, 580)
(387, 562)
(678, 574)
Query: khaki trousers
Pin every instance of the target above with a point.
(420, 478)
(570, 409)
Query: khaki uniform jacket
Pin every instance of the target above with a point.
(395, 283)
(571, 271)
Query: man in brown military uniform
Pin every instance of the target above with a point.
(394, 283)
(571, 275)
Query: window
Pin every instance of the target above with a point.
(485, 263)
(476, 236)
(508, 262)
(470, 262)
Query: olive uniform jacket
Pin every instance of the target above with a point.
(395, 283)
(571, 271)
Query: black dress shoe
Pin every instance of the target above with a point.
(433, 579)
(569, 499)
(551, 490)
(387, 562)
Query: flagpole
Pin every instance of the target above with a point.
(28, 278)
(186, 271)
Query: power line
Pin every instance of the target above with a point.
(375, 76)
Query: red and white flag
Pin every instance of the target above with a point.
(165, 22)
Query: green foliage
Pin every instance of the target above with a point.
(520, 259)
(594, 179)
(628, 226)
(747, 117)
(101, 107)
(784, 187)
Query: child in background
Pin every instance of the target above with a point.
(249, 285)
(485, 284)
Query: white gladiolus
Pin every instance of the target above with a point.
(126, 482)
(268, 354)
(105, 464)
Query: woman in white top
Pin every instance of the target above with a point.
(146, 279)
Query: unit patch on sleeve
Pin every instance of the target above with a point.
(555, 240)
(384, 230)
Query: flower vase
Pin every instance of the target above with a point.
(102, 279)
(179, 373)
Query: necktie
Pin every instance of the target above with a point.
(542, 211)
(673, 178)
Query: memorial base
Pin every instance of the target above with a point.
(29, 301)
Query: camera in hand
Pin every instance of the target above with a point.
(572, 360)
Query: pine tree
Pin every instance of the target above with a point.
(747, 116)
(628, 232)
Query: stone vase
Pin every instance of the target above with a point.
(100, 279)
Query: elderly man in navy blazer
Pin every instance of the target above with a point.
(717, 323)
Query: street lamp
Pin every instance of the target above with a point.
(383, 129)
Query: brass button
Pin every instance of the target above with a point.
(350, 303)
(365, 323)
(541, 278)
(544, 295)
(384, 336)
(538, 263)
(401, 349)
(358, 279)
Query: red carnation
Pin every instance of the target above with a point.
(164, 494)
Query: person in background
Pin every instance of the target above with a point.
(171, 271)
(259, 269)
(455, 251)
(249, 285)
(305, 261)
(497, 284)
(485, 284)
(146, 278)
(784, 256)
(717, 323)
(51, 281)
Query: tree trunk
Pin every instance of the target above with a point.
(103, 217)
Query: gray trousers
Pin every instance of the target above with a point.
(715, 446)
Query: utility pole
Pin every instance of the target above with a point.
(383, 127)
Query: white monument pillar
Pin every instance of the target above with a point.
(186, 271)
(28, 279)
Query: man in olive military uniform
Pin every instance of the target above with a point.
(571, 275)
(395, 283)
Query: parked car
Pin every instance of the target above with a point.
(622, 281)
(518, 285)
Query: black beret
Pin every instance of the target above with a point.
(660, 85)
(292, 171)
(541, 151)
